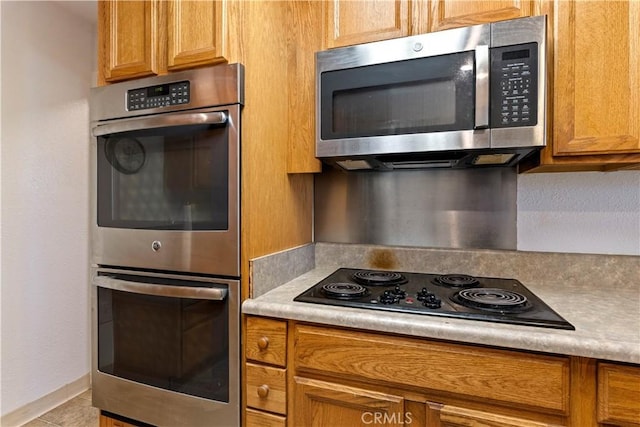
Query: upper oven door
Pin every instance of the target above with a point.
(167, 192)
(415, 94)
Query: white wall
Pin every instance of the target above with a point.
(587, 212)
(48, 58)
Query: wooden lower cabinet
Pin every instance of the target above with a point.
(345, 377)
(452, 416)
(321, 403)
(253, 418)
(618, 394)
(106, 421)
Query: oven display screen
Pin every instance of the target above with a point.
(160, 90)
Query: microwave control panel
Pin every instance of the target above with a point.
(159, 96)
(514, 86)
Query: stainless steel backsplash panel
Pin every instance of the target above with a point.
(468, 208)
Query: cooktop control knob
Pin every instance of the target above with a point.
(428, 299)
(388, 297)
(432, 301)
(422, 295)
(400, 293)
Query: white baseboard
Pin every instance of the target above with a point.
(46, 403)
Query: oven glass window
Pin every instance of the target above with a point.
(175, 344)
(396, 98)
(173, 178)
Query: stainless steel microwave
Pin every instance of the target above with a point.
(466, 97)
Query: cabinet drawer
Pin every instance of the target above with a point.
(527, 380)
(267, 388)
(266, 341)
(262, 419)
(618, 393)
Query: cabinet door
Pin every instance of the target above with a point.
(128, 32)
(455, 13)
(349, 22)
(452, 416)
(597, 78)
(194, 33)
(305, 29)
(319, 404)
(619, 394)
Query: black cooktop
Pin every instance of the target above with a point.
(448, 295)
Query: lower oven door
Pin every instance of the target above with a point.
(166, 348)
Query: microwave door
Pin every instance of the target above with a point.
(420, 94)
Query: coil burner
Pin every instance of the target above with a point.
(345, 291)
(379, 278)
(492, 299)
(456, 281)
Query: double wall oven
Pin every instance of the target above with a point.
(166, 247)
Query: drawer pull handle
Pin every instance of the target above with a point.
(263, 343)
(263, 391)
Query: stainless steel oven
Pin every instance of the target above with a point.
(166, 347)
(166, 247)
(167, 158)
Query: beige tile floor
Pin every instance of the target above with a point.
(77, 412)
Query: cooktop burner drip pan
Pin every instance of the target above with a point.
(378, 278)
(492, 299)
(456, 280)
(447, 295)
(344, 290)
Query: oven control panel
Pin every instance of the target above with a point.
(514, 86)
(158, 96)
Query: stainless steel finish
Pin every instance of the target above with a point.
(524, 30)
(161, 407)
(160, 121)
(407, 143)
(479, 38)
(206, 252)
(217, 85)
(160, 290)
(482, 87)
(468, 208)
(433, 44)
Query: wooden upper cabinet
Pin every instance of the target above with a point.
(305, 20)
(128, 33)
(459, 13)
(597, 78)
(194, 33)
(348, 22)
(153, 37)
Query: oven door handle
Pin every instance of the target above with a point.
(161, 121)
(215, 294)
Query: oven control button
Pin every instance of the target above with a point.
(156, 245)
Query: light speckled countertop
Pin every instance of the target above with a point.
(599, 295)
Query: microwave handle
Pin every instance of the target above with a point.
(482, 87)
(165, 120)
(215, 294)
